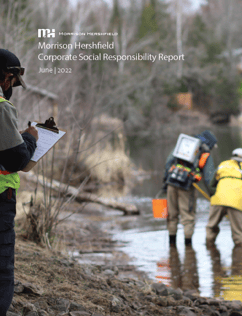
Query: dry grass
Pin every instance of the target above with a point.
(23, 202)
(107, 159)
(108, 165)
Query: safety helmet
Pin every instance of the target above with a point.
(207, 138)
(237, 154)
(10, 63)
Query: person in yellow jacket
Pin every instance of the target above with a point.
(227, 199)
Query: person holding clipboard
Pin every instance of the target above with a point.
(16, 150)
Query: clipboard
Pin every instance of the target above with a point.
(49, 135)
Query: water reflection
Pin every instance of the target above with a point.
(218, 272)
(225, 285)
(196, 268)
(183, 276)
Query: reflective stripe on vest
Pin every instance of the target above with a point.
(197, 176)
(8, 179)
(229, 187)
(4, 100)
(4, 172)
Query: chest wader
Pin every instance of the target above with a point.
(182, 175)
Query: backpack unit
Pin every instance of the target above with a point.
(185, 166)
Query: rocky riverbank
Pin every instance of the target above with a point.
(51, 282)
(48, 283)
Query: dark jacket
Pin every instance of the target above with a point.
(16, 150)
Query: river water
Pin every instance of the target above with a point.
(213, 272)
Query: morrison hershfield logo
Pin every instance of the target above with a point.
(46, 33)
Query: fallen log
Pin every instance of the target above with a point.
(128, 209)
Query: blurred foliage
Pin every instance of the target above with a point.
(240, 89)
(148, 23)
(140, 92)
(198, 32)
(226, 96)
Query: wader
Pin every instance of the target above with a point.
(181, 203)
(7, 241)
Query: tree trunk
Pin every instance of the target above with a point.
(128, 209)
(179, 35)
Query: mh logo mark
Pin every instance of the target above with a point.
(46, 33)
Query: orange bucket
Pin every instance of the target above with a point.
(160, 208)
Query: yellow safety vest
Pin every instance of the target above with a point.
(7, 179)
(229, 187)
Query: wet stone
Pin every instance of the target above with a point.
(29, 308)
(115, 305)
(214, 302)
(222, 308)
(208, 310)
(50, 311)
(18, 287)
(109, 273)
(140, 283)
(60, 308)
(62, 305)
(168, 309)
(192, 294)
(185, 301)
(32, 289)
(149, 298)
(32, 314)
(36, 304)
(42, 313)
(234, 305)
(76, 307)
(160, 289)
(80, 313)
(224, 314)
(161, 301)
(200, 301)
(112, 268)
(177, 294)
(147, 289)
(171, 301)
(185, 311)
(66, 262)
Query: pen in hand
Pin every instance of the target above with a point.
(33, 131)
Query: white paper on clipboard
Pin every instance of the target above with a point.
(47, 139)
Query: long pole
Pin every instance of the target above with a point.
(201, 191)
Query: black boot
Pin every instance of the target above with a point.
(172, 240)
(188, 241)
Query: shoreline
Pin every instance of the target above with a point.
(52, 283)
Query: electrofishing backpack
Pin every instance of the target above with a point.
(188, 159)
(185, 161)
